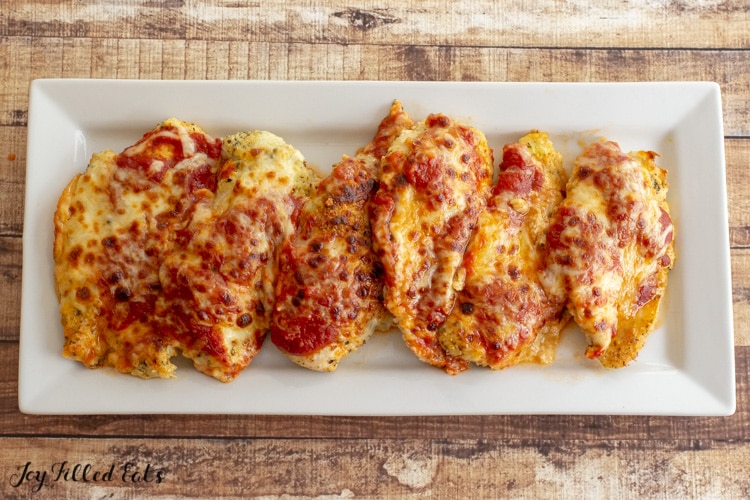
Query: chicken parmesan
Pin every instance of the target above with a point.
(152, 254)
(113, 225)
(218, 281)
(435, 179)
(329, 290)
(610, 248)
(502, 315)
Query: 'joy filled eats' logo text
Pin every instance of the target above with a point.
(37, 478)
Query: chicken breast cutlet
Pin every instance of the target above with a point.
(329, 290)
(502, 315)
(218, 282)
(434, 183)
(610, 249)
(113, 226)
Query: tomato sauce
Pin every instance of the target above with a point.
(303, 336)
(164, 151)
(516, 175)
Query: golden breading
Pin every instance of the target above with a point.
(502, 315)
(183, 244)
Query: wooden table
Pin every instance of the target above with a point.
(461, 457)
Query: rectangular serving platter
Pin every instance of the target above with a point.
(686, 368)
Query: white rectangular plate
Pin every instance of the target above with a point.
(686, 368)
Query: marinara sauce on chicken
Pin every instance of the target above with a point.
(218, 281)
(169, 247)
(610, 248)
(434, 183)
(502, 314)
(329, 291)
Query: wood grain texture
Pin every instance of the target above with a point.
(12, 179)
(263, 468)
(556, 456)
(10, 288)
(23, 59)
(515, 23)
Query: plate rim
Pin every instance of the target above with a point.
(725, 404)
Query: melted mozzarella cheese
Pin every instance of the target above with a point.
(502, 314)
(329, 292)
(220, 283)
(161, 250)
(434, 183)
(113, 224)
(610, 248)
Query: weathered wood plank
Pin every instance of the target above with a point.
(534, 428)
(12, 179)
(23, 59)
(240, 468)
(741, 296)
(516, 23)
(738, 184)
(10, 288)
